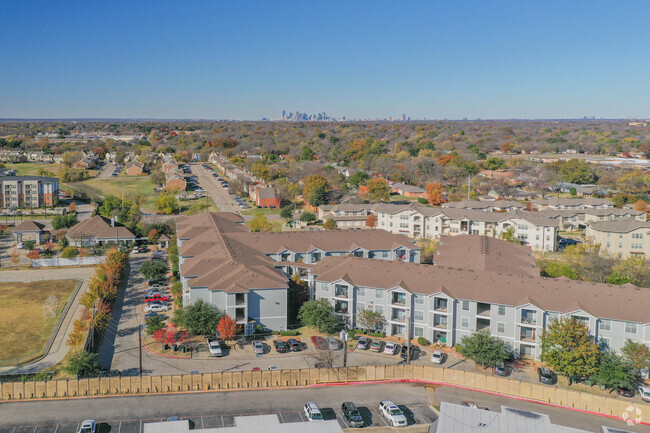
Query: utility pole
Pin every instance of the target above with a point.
(408, 336)
(344, 337)
(469, 181)
(140, 346)
(122, 193)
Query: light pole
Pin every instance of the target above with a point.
(344, 337)
(140, 346)
(408, 336)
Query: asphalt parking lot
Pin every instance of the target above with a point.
(416, 414)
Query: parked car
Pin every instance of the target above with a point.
(438, 357)
(258, 347)
(294, 345)
(644, 392)
(152, 314)
(156, 306)
(547, 376)
(256, 369)
(312, 412)
(501, 370)
(88, 426)
(351, 413)
(625, 392)
(214, 346)
(391, 348)
(364, 343)
(156, 297)
(272, 367)
(136, 250)
(157, 282)
(392, 413)
(377, 346)
(280, 346)
(334, 344)
(20, 245)
(319, 342)
(414, 353)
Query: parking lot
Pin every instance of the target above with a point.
(415, 414)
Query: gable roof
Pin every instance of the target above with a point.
(619, 226)
(29, 226)
(99, 227)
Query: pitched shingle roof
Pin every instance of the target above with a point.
(29, 226)
(619, 226)
(99, 227)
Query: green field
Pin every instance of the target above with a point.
(32, 168)
(132, 185)
(23, 329)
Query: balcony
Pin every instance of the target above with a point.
(527, 337)
(240, 299)
(439, 321)
(482, 324)
(483, 309)
(440, 305)
(341, 307)
(240, 315)
(528, 317)
(341, 291)
(398, 316)
(399, 299)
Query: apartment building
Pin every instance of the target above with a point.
(621, 237)
(558, 203)
(29, 191)
(246, 274)
(486, 206)
(444, 304)
(578, 219)
(346, 214)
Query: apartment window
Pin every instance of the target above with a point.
(605, 325)
(361, 291)
(464, 322)
(501, 310)
(552, 317)
(418, 332)
(379, 294)
(466, 305)
(419, 316)
(379, 309)
(630, 328)
(384, 254)
(361, 306)
(620, 244)
(404, 217)
(605, 343)
(501, 328)
(419, 300)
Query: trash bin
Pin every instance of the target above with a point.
(165, 347)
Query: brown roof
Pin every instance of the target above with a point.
(29, 226)
(561, 295)
(99, 227)
(266, 193)
(619, 226)
(483, 253)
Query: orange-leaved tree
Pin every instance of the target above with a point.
(371, 221)
(227, 327)
(434, 193)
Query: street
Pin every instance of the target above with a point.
(220, 196)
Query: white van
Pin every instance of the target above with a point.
(312, 412)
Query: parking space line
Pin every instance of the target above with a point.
(14, 430)
(223, 424)
(202, 426)
(140, 431)
(301, 417)
(57, 428)
(380, 417)
(35, 429)
(119, 427)
(345, 423)
(415, 413)
(280, 415)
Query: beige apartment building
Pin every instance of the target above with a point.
(621, 237)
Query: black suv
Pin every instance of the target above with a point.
(414, 352)
(280, 346)
(547, 376)
(351, 413)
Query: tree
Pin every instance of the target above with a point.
(495, 164)
(287, 213)
(64, 221)
(315, 182)
(575, 171)
(641, 206)
(330, 224)
(358, 178)
(507, 147)
(371, 221)
(110, 206)
(370, 320)
(509, 235)
(307, 154)
(555, 270)
(434, 193)
(154, 323)
(153, 236)
(568, 348)
(317, 196)
(34, 254)
(377, 189)
(83, 364)
(199, 318)
(615, 372)
(72, 207)
(484, 349)
(638, 354)
(157, 177)
(153, 269)
(308, 217)
(15, 257)
(69, 252)
(29, 245)
(260, 223)
(166, 203)
(319, 314)
(573, 191)
(227, 328)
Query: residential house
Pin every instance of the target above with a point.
(624, 237)
(407, 190)
(134, 168)
(99, 230)
(263, 196)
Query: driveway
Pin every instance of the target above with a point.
(59, 347)
(220, 196)
(106, 171)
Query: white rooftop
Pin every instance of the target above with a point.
(249, 424)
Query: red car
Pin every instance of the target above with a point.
(156, 297)
(319, 342)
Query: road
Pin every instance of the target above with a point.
(220, 196)
(106, 171)
(59, 348)
(212, 409)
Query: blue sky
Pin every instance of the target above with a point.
(243, 60)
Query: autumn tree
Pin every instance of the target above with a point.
(315, 188)
(641, 206)
(153, 236)
(227, 327)
(72, 207)
(34, 254)
(568, 348)
(330, 224)
(377, 189)
(260, 223)
(434, 193)
(371, 221)
(166, 203)
(636, 353)
(507, 147)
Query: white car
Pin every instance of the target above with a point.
(392, 413)
(215, 348)
(88, 426)
(438, 357)
(156, 307)
(20, 245)
(391, 348)
(312, 412)
(644, 392)
(258, 347)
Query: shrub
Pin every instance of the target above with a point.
(69, 252)
(289, 333)
(377, 334)
(423, 341)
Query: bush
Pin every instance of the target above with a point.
(153, 270)
(289, 333)
(29, 245)
(422, 200)
(377, 334)
(423, 341)
(69, 252)
(83, 364)
(154, 323)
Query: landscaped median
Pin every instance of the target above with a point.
(240, 380)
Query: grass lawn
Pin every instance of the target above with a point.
(23, 329)
(263, 210)
(275, 224)
(399, 197)
(32, 168)
(186, 205)
(132, 185)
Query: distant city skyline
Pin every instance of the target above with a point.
(250, 60)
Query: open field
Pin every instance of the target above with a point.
(33, 168)
(23, 329)
(132, 185)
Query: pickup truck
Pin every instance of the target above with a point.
(214, 345)
(156, 297)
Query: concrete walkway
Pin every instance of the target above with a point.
(59, 347)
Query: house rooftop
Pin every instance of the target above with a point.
(99, 227)
(619, 226)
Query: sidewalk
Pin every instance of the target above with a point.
(59, 347)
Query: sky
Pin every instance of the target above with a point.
(360, 59)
